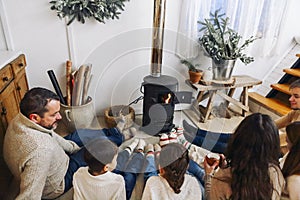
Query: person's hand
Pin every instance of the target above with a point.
(209, 169)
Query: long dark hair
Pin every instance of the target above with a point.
(174, 160)
(292, 162)
(251, 150)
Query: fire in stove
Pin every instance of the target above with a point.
(165, 98)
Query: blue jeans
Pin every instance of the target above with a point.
(129, 166)
(82, 137)
(150, 168)
(212, 141)
(198, 172)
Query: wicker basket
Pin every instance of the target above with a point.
(112, 115)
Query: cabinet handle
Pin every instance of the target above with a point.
(5, 78)
(21, 64)
(18, 88)
(4, 112)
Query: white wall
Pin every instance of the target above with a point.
(119, 50)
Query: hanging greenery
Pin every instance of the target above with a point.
(101, 10)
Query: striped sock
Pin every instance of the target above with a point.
(187, 144)
(164, 139)
(179, 133)
(184, 142)
(173, 137)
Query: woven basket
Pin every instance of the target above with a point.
(112, 117)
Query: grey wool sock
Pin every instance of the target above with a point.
(149, 149)
(132, 146)
(121, 123)
(141, 145)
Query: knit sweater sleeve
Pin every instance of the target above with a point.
(284, 120)
(207, 180)
(68, 145)
(34, 174)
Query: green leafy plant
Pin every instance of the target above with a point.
(190, 65)
(82, 9)
(221, 42)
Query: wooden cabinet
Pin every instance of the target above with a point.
(14, 82)
(13, 86)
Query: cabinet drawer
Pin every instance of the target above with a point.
(18, 64)
(6, 76)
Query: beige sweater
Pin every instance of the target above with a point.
(36, 157)
(218, 186)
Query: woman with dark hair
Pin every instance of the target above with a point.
(172, 182)
(290, 162)
(251, 169)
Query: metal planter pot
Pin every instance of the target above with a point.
(222, 70)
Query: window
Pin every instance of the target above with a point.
(261, 18)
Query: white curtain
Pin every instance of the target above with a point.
(260, 18)
(187, 38)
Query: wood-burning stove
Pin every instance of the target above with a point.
(159, 90)
(159, 104)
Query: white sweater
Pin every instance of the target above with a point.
(158, 188)
(36, 157)
(108, 186)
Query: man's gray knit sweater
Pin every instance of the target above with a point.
(37, 158)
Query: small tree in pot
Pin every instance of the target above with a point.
(195, 74)
(222, 43)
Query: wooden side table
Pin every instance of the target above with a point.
(215, 88)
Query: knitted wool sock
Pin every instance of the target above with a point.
(133, 131)
(179, 133)
(164, 139)
(132, 146)
(149, 149)
(173, 137)
(141, 145)
(121, 123)
(127, 134)
(184, 142)
(157, 150)
(173, 130)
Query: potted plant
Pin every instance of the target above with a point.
(222, 44)
(81, 10)
(194, 73)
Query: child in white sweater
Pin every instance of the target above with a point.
(97, 181)
(172, 181)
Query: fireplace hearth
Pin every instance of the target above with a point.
(159, 104)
